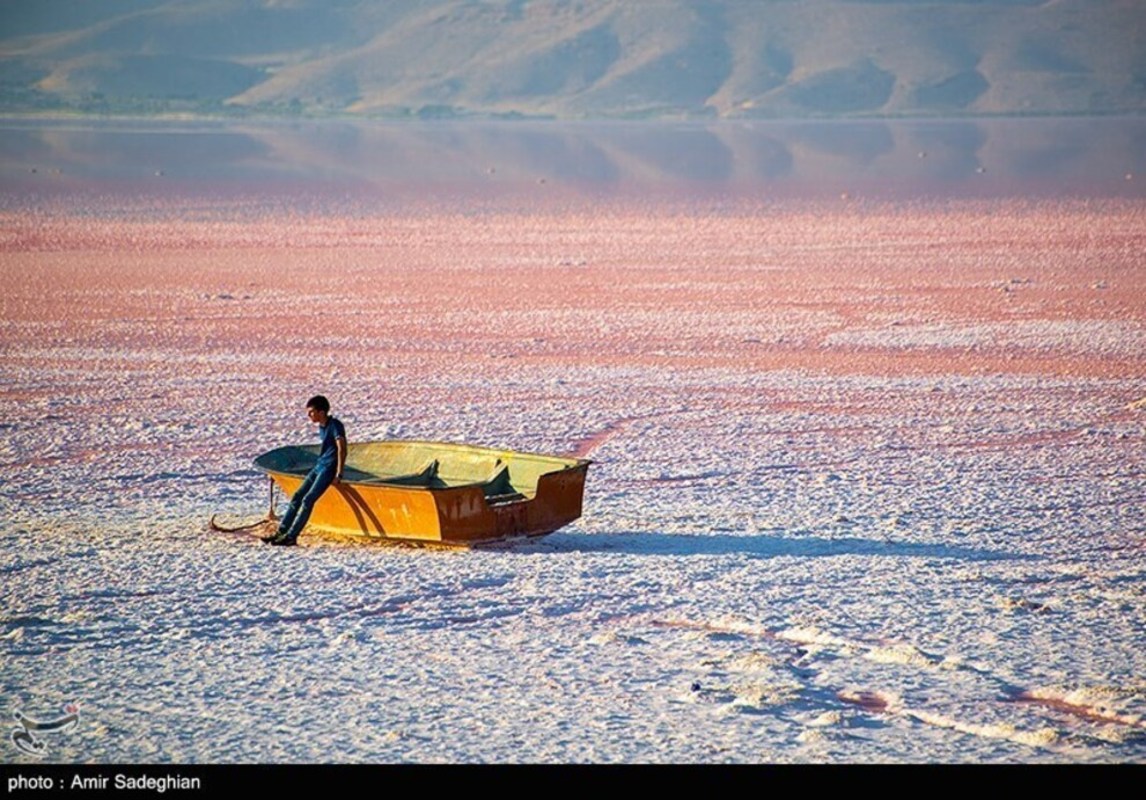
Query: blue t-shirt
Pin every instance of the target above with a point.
(328, 452)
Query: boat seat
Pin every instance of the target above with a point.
(498, 489)
(498, 482)
(420, 478)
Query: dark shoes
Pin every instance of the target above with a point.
(280, 539)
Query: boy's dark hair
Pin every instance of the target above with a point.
(319, 403)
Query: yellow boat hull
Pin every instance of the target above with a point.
(437, 492)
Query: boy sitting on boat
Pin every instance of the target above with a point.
(326, 471)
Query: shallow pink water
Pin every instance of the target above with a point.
(751, 292)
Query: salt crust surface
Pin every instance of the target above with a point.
(867, 484)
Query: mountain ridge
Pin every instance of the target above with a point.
(577, 59)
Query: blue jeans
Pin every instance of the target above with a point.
(316, 482)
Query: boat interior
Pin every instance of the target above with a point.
(504, 476)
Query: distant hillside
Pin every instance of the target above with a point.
(576, 58)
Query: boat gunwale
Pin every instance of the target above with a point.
(566, 464)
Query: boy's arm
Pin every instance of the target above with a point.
(340, 445)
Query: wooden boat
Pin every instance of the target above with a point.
(437, 492)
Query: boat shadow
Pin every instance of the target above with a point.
(644, 543)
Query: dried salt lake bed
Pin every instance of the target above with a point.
(867, 479)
